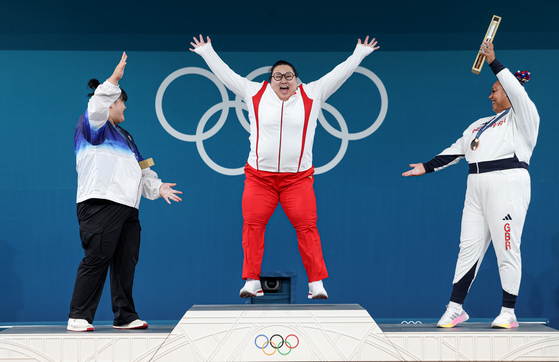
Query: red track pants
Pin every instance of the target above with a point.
(263, 191)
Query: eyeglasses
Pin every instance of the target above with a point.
(278, 76)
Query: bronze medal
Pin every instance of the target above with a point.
(475, 144)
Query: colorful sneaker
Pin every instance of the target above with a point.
(137, 324)
(252, 288)
(317, 291)
(79, 325)
(454, 314)
(507, 319)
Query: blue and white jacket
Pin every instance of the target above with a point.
(107, 157)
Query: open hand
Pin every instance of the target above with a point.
(168, 193)
(199, 43)
(418, 170)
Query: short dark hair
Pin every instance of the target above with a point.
(94, 83)
(282, 62)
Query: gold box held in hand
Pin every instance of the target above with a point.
(146, 163)
(489, 36)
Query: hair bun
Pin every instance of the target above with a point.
(522, 76)
(93, 84)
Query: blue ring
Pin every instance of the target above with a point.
(267, 341)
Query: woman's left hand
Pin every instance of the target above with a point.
(199, 43)
(371, 44)
(168, 193)
(119, 70)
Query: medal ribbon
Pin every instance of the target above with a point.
(127, 141)
(490, 123)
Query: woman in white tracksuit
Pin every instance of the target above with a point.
(498, 151)
(283, 118)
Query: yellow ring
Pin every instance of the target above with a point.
(269, 354)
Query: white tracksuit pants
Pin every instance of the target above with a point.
(495, 209)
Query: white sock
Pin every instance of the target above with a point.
(507, 310)
(456, 306)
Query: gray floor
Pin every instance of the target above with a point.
(465, 328)
(105, 329)
(386, 328)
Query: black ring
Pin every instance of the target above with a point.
(281, 343)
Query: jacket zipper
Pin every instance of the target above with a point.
(281, 133)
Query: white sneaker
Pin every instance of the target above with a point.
(317, 291)
(252, 288)
(137, 324)
(507, 319)
(454, 314)
(79, 325)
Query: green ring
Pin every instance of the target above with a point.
(284, 354)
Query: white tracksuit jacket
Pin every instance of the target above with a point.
(498, 187)
(106, 163)
(282, 132)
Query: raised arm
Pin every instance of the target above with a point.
(119, 70)
(528, 119)
(105, 95)
(237, 84)
(328, 84)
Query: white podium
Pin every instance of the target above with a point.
(277, 332)
(244, 332)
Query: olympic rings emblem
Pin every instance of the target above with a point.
(276, 347)
(239, 106)
(411, 322)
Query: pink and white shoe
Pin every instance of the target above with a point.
(454, 315)
(507, 319)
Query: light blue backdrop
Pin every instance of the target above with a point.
(390, 243)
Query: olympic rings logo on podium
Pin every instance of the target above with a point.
(276, 347)
(344, 135)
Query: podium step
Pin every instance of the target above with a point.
(285, 332)
(280, 332)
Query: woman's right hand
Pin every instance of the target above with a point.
(119, 70)
(199, 43)
(488, 51)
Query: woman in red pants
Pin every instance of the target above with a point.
(283, 118)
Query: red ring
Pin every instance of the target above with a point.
(295, 337)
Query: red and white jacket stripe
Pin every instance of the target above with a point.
(282, 132)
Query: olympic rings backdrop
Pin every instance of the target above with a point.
(225, 104)
(385, 238)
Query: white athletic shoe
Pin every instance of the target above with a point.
(79, 325)
(454, 314)
(317, 291)
(507, 319)
(252, 288)
(137, 324)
